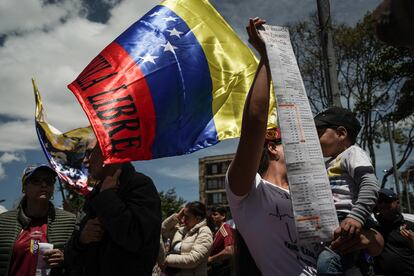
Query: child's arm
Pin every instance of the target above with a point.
(367, 185)
(361, 170)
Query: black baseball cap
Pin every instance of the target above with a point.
(338, 116)
(387, 194)
(30, 170)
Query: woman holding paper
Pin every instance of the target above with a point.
(32, 236)
(257, 189)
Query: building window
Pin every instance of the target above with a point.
(215, 183)
(211, 184)
(224, 166)
(214, 169)
(216, 199)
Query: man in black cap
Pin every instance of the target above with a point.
(397, 258)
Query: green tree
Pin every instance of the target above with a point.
(170, 202)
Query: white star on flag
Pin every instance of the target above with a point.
(175, 33)
(148, 58)
(169, 47)
(170, 18)
(155, 14)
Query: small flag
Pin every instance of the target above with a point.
(64, 151)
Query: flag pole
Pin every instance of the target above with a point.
(61, 189)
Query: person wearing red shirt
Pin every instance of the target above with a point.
(223, 244)
(35, 224)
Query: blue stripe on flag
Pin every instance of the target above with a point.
(177, 73)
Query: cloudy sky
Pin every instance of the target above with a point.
(53, 40)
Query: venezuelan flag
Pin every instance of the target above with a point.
(64, 151)
(172, 83)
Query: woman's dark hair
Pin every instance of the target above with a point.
(244, 265)
(264, 161)
(219, 209)
(197, 209)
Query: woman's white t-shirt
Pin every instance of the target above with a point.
(264, 217)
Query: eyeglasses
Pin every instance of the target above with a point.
(38, 181)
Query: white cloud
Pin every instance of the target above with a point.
(28, 15)
(18, 135)
(186, 171)
(8, 158)
(126, 13)
(54, 57)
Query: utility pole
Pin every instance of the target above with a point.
(328, 53)
(391, 141)
(394, 164)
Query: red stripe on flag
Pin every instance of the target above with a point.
(116, 98)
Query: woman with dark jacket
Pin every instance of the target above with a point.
(34, 224)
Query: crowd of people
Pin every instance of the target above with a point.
(193, 241)
(119, 230)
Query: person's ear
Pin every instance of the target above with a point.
(271, 147)
(273, 153)
(342, 132)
